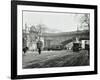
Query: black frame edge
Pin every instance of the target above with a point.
(14, 39)
(51, 4)
(96, 38)
(56, 75)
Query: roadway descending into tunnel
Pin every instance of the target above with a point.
(67, 41)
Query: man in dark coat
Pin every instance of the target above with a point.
(39, 46)
(25, 49)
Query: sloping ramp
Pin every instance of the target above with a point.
(67, 41)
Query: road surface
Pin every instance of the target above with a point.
(55, 59)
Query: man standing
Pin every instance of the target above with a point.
(39, 46)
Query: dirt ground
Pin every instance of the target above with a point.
(61, 58)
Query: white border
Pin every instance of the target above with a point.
(52, 70)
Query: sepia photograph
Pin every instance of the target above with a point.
(55, 39)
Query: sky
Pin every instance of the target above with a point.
(55, 22)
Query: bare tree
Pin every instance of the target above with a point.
(37, 31)
(40, 29)
(85, 21)
(25, 36)
(33, 33)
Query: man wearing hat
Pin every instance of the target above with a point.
(39, 46)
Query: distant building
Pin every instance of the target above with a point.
(50, 39)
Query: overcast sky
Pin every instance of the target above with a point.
(57, 22)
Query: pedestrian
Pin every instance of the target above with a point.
(39, 46)
(25, 49)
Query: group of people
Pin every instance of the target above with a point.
(39, 47)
